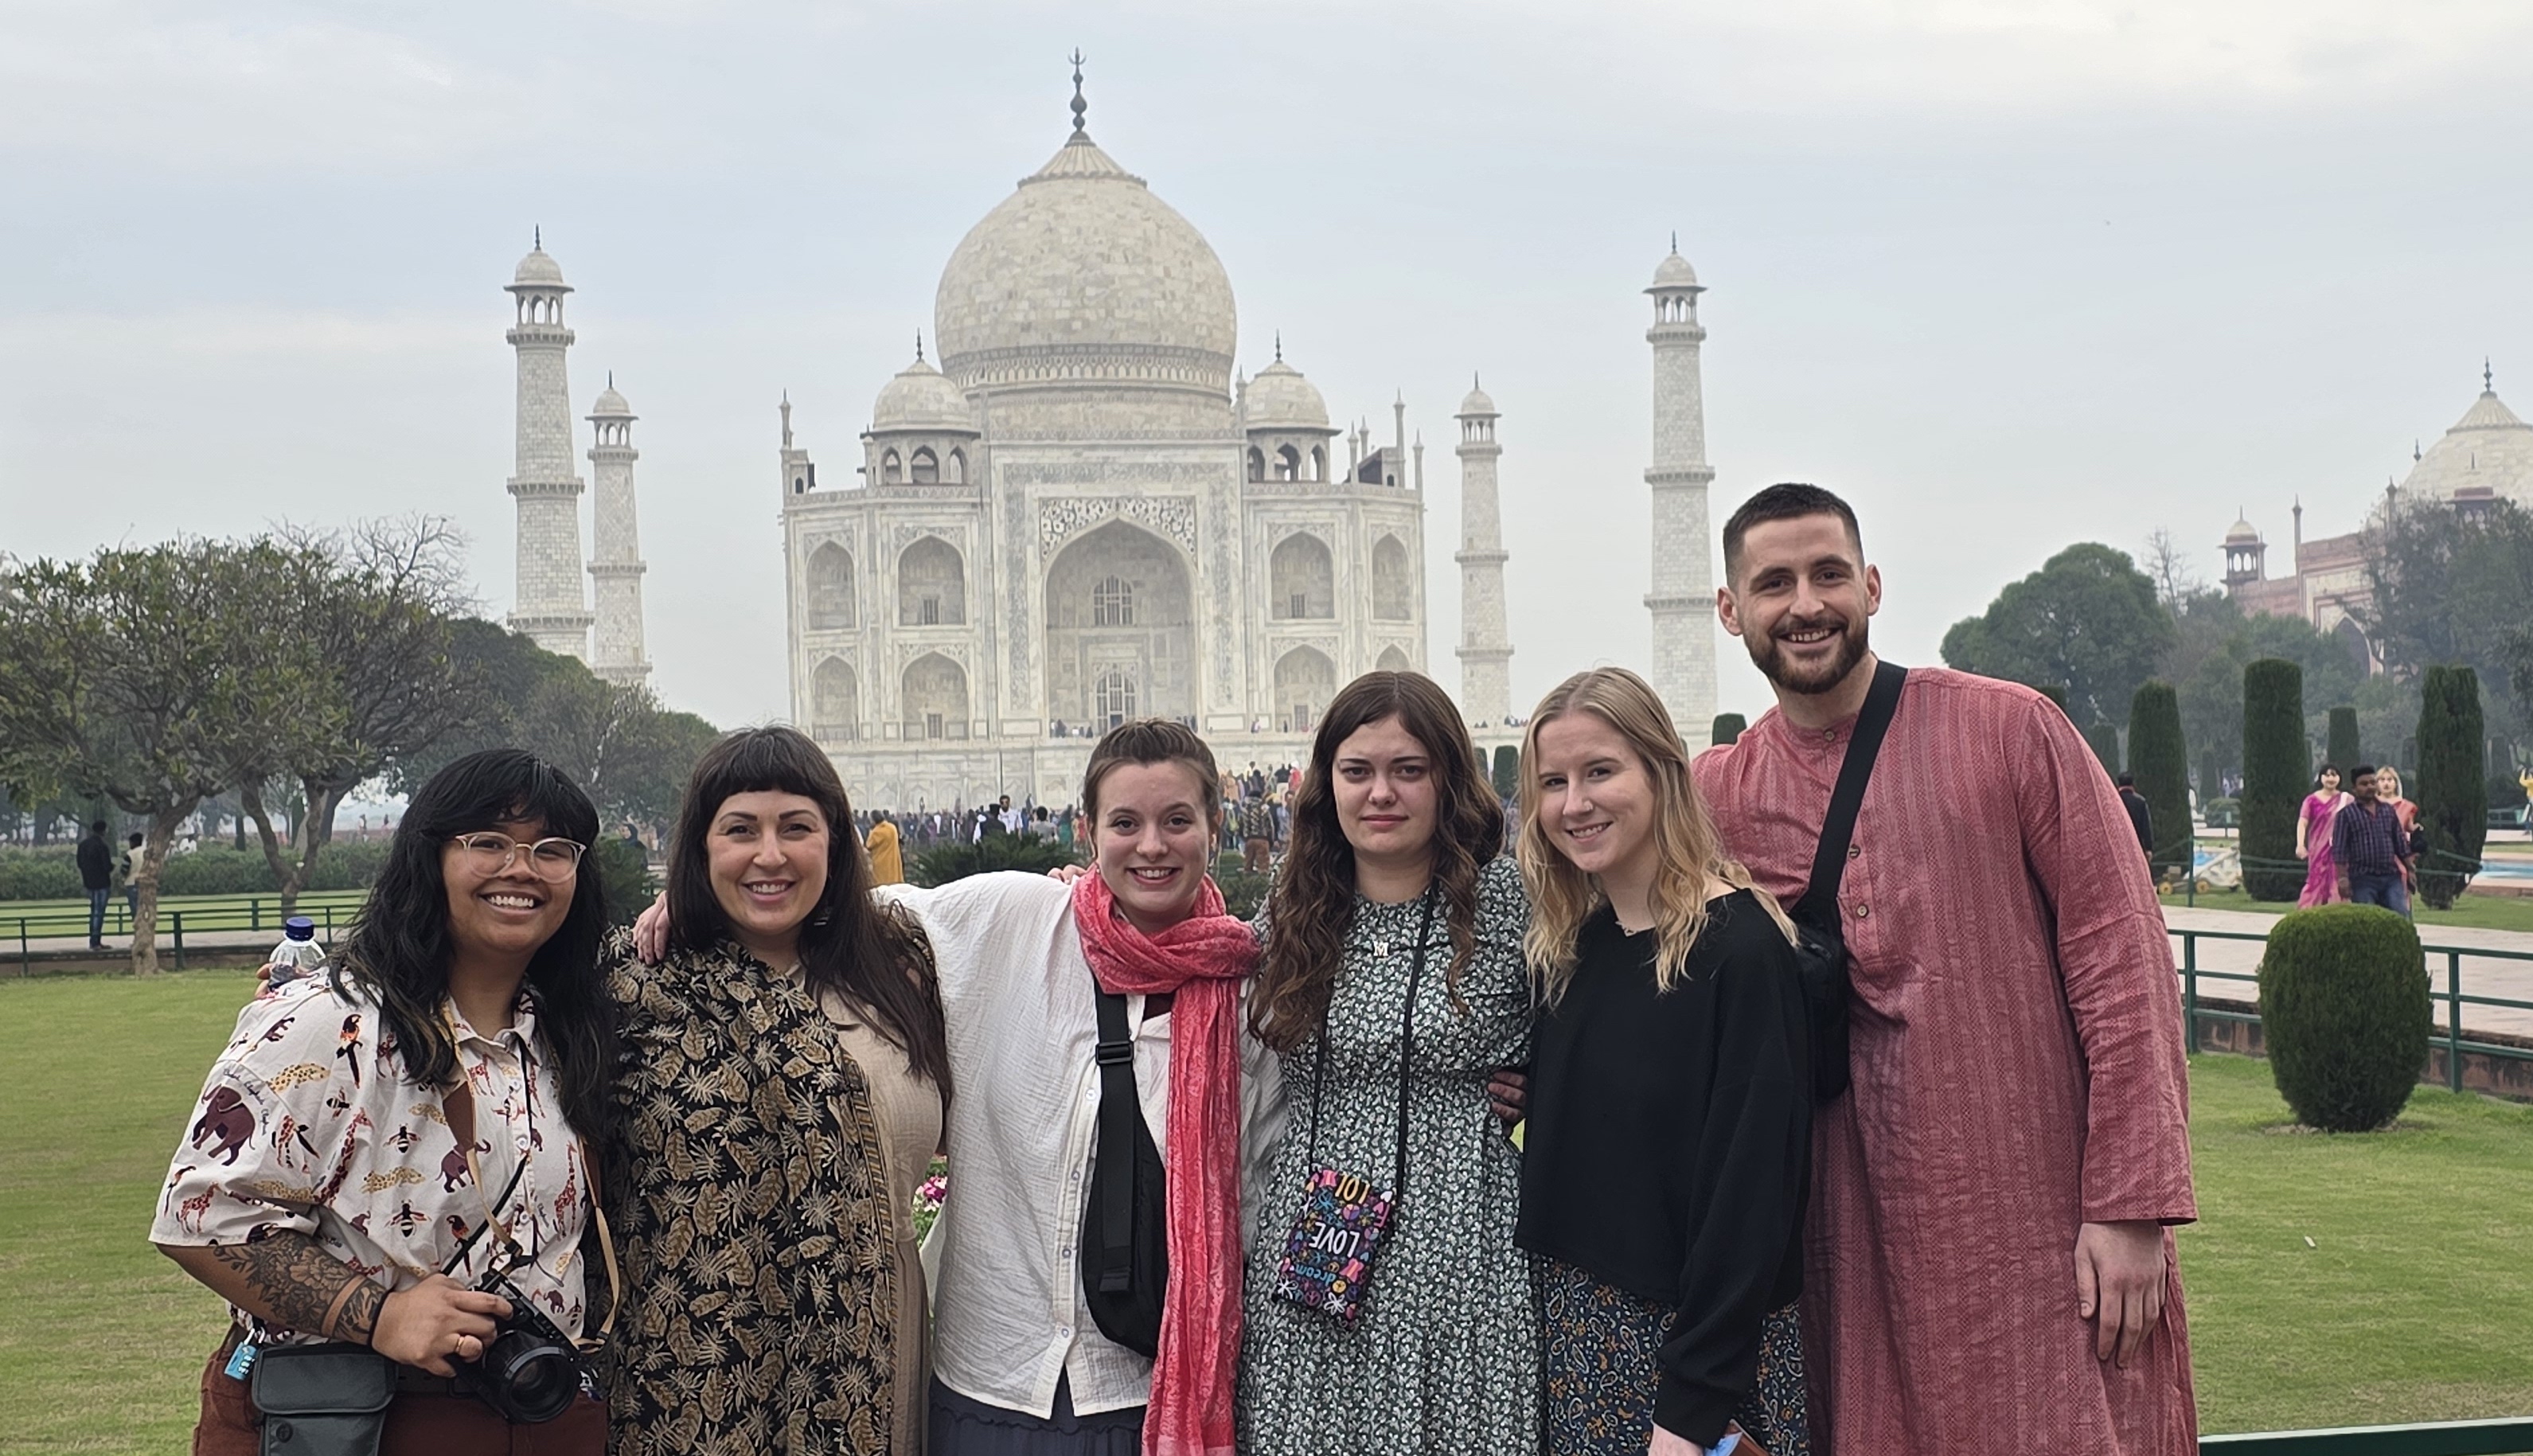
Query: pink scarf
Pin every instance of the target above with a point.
(1201, 960)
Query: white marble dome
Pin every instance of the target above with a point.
(610, 405)
(538, 270)
(1477, 401)
(920, 397)
(1279, 398)
(2490, 446)
(1674, 272)
(1083, 277)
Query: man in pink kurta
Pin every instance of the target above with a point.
(1990, 1257)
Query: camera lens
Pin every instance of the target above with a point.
(537, 1379)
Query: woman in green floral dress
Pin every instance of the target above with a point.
(1393, 979)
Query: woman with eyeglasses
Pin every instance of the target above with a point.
(781, 1098)
(379, 1145)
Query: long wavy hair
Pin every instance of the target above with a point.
(398, 950)
(1687, 850)
(1311, 912)
(873, 956)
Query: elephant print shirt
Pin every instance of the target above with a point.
(309, 1124)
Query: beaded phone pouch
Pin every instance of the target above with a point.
(1344, 1217)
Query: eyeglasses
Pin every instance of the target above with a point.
(552, 860)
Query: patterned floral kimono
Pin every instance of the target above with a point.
(752, 1215)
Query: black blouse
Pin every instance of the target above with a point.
(1668, 1151)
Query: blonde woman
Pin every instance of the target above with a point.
(1667, 1157)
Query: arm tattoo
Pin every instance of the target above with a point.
(291, 1281)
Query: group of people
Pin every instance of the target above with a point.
(2359, 844)
(1224, 1186)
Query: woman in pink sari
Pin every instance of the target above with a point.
(2313, 840)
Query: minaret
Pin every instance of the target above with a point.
(1486, 652)
(548, 607)
(1682, 599)
(616, 545)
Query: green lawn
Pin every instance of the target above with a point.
(2411, 1304)
(2472, 912)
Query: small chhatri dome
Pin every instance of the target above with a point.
(920, 397)
(1477, 403)
(610, 405)
(1674, 271)
(1279, 398)
(538, 270)
(2243, 533)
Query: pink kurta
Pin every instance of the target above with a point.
(2018, 1072)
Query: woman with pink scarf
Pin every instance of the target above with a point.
(2313, 839)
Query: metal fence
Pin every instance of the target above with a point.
(2511, 1436)
(205, 916)
(2455, 1040)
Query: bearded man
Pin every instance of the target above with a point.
(1989, 1259)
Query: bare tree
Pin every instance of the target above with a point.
(2168, 566)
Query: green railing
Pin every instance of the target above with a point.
(2510, 1437)
(2455, 1040)
(201, 915)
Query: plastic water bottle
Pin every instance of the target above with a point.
(298, 955)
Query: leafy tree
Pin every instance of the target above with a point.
(2452, 589)
(2089, 618)
(138, 674)
(2277, 765)
(375, 605)
(1728, 728)
(2104, 739)
(2452, 803)
(1507, 772)
(2215, 640)
(2157, 758)
(2341, 746)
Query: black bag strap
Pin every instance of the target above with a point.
(1819, 905)
(1406, 1058)
(1114, 1055)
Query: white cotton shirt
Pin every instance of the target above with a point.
(1008, 1313)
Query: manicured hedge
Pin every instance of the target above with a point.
(1728, 728)
(2277, 769)
(2346, 1014)
(52, 872)
(2157, 758)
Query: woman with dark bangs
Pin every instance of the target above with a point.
(781, 1099)
(377, 1140)
(1392, 986)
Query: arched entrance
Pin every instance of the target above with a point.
(1120, 630)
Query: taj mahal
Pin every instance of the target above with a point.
(1074, 510)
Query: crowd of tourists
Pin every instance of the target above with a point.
(1845, 1061)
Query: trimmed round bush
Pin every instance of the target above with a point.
(2344, 1008)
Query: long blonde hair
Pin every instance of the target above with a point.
(1687, 851)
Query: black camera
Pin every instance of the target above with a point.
(529, 1371)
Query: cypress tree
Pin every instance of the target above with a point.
(1507, 772)
(2276, 770)
(2104, 740)
(2212, 781)
(1728, 728)
(2452, 801)
(2160, 761)
(2341, 743)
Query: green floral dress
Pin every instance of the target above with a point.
(1445, 1357)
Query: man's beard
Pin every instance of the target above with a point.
(1768, 654)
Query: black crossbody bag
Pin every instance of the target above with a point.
(1125, 1228)
(1820, 942)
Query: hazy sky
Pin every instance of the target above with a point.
(2008, 273)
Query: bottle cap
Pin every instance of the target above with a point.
(299, 927)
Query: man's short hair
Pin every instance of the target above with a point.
(134, 842)
(2125, 780)
(1784, 502)
(97, 827)
(2360, 771)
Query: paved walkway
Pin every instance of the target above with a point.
(2511, 981)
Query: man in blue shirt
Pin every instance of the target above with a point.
(2373, 853)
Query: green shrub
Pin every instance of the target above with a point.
(2451, 795)
(2104, 740)
(623, 877)
(1242, 892)
(1508, 771)
(2156, 757)
(943, 863)
(2055, 692)
(51, 873)
(2344, 1010)
(2341, 746)
(2277, 768)
(1728, 728)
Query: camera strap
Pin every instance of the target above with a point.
(457, 1104)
